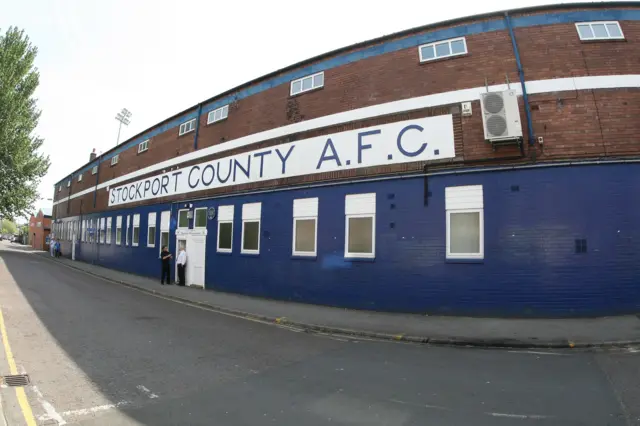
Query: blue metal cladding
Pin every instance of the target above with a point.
(531, 267)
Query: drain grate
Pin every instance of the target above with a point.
(16, 380)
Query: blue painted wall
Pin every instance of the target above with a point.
(530, 268)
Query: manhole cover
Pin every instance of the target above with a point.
(16, 380)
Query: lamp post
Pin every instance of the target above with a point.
(124, 117)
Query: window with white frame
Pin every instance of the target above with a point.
(127, 241)
(225, 229)
(465, 222)
(101, 231)
(143, 146)
(165, 218)
(80, 177)
(187, 127)
(114, 159)
(183, 218)
(59, 188)
(108, 231)
(443, 49)
(307, 83)
(136, 230)
(68, 183)
(218, 114)
(118, 230)
(603, 30)
(251, 228)
(200, 218)
(305, 226)
(151, 230)
(94, 170)
(360, 225)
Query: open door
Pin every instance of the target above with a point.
(196, 253)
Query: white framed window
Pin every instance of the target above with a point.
(59, 188)
(443, 49)
(187, 127)
(601, 30)
(101, 231)
(360, 225)
(165, 219)
(183, 218)
(94, 170)
(114, 159)
(218, 114)
(68, 183)
(108, 230)
(136, 230)
(465, 222)
(143, 146)
(127, 241)
(251, 213)
(151, 230)
(307, 83)
(200, 218)
(118, 230)
(225, 229)
(80, 177)
(305, 226)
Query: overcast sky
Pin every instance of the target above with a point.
(157, 58)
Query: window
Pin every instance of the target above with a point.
(151, 230)
(305, 226)
(114, 159)
(187, 127)
(443, 49)
(251, 228)
(127, 241)
(68, 183)
(143, 146)
(225, 229)
(307, 83)
(136, 230)
(600, 31)
(183, 218)
(94, 170)
(80, 177)
(108, 230)
(118, 230)
(165, 218)
(360, 222)
(59, 188)
(218, 114)
(200, 218)
(101, 231)
(465, 222)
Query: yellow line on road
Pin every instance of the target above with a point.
(20, 393)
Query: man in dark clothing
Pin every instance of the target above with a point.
(166, 266)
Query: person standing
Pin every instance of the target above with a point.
(165, 257)
(182, 262)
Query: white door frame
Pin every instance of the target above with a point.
(186, 235)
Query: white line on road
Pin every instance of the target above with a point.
(519, 416)
(91, 410)
(538, 353)
(147, 392)
(52, 414)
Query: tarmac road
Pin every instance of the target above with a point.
(101, 354)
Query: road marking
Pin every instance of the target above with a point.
(519, 416)
(20, 393)
(538, 353)
(52, 414)
(147, 392)
(436, 407)
(92, 410)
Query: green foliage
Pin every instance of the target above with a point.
(21, 166)
(9, 227)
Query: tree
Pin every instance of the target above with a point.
(21, 165)
(8, 227)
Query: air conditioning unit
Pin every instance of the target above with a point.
(501, 116)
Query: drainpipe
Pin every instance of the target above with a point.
(195, 137)
(525, 97)
(95, 191)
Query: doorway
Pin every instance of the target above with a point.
(194, 242)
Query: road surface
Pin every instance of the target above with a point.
(98, 353)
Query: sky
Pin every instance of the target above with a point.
(158, 58)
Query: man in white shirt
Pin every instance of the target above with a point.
(181, 262)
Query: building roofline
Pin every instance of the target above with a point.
(308, 61)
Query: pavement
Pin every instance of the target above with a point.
(98, 354)
(435, 330)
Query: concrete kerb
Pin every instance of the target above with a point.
(498, 343)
